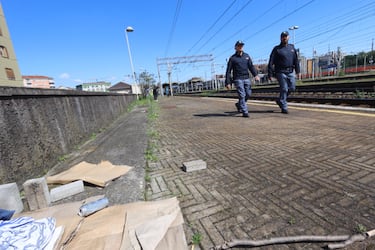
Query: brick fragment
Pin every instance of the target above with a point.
(194, 165)
(37, 194)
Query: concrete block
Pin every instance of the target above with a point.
(37, 193)
(66, 190)
(194, 165)
(10, 198)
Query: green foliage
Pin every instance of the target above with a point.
(196, 238)
(361, 229)
(363, 94)
(62, 158)
(93, 136)
(292, 221)
(148, 178)
(360, 59)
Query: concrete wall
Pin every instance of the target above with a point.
(37, 126)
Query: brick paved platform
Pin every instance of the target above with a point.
(311, 172)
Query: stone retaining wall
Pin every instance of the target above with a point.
(39, 126)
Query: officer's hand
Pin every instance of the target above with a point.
(257, 78)
(228, 86)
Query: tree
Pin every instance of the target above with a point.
(146, 80)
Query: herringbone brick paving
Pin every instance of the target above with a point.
(306, 173)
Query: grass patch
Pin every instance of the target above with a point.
(62, 158)
(196, 238)
(360, 229)
(152, 145)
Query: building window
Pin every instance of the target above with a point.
(1, 32)
(4, 52)
(10, 74)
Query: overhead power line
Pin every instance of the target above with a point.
(225, 24)
(263, 29)
(212, 26)
(247, 25)
(174, 22)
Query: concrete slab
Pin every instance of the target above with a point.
(37, 193)
(10, 198)
(66, 190)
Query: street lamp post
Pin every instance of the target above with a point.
(130, 29)
(294, 34)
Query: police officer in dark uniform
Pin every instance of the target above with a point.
(238, 68)
(284, 65)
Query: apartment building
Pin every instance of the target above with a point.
(99, 86)
(44, 82)
(9, 71)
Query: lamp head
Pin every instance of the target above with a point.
(129, 29)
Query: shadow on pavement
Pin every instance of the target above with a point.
(232, 113)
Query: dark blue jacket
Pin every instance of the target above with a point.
(283, 59)
(238, 68)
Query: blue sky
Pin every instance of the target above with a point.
(84, 41)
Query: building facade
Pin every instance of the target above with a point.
(94, 86)
(44, 82)
(121, 87)
(10, 74)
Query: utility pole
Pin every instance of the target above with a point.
(171, 61)
(372, 52)
(313, 64)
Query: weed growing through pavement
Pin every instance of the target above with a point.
(361, 229)
(196, 238)
(93, 136)
(153, 135)
(140, 102)
(152, 145)
(291, 221)
(62, 158)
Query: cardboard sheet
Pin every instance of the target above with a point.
(97, 174)
(154, 225)
(101, 230)
(141, 225)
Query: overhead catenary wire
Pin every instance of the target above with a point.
(174, 23)
(263, 29)
(247, 25)
(314, 31)
(242, 8)
(333, 27)
(226, 23)
(212, 26)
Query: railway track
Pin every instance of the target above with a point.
(356, 91)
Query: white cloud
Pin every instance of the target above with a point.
(78, 80)
(64, 76)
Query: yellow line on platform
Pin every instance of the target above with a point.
(316, 109)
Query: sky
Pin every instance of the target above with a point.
(77, 42)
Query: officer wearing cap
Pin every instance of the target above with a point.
(239, 65)
(283, 65)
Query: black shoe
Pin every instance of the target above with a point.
(284, 111)
(238, 107)
(246, 115)
(279, 103)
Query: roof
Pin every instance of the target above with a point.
(36, 77)
(120, 86)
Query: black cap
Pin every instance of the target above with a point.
(284, 33)
(239, 42)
